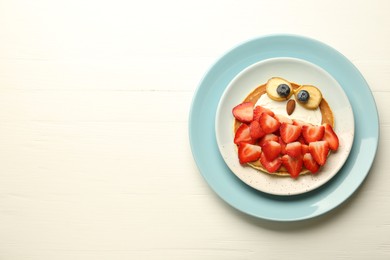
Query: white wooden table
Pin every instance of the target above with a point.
(95, 161)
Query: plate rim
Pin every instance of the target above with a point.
(244, 46)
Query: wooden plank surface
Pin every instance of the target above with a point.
(95, 161)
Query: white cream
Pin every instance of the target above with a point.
(300, 113)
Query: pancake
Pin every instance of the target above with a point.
(327, 117)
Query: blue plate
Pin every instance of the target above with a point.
(256, 203)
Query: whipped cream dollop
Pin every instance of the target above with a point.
(300, 113)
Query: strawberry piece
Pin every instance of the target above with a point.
(258, 110)
(301, 139)
(256, 131)
(243, 134)
(282, 145)
(331, 137)
(293, 165)
(243, 112)
(305, 149)
(268, 137)
(319, 150)
(294, 149)
(289, 133)
(268, 123)
(248, 152)
(271, 149)
(283, 119)
(310, 163)
(271, 166)
(299, 122)
(313, 133)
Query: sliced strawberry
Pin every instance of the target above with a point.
(294, 149)
(282, 145)
(305, 149)
(256, 131)
(258, 110)
(310, 163)
(268, 123)
(299, 122)
(313, 133)
(293, 165)
(319, 150)
(283, 119)
(271, 149)
(289, 132)
(243, 112)
(331, 137)
(301, 139)
(243, 134)
(248, 152)
(268, 137)
(271, 166)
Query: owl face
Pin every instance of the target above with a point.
(293, 101)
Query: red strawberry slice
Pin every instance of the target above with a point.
(256, 131)
(243, 112)
(313, 133)
(271, 166)
(301, 139)
(294, 149)
(268, 137)
(310, 163)
(268, 123)
(258, 110)
(289, 133)
(271, 150)
(283, 119)
(331, 137)
(293, 165)
(305, 149)
(243, 134)
(248, 152)
(299, 122)
(282, 145)
(319, 150)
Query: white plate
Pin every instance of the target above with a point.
(301, 72)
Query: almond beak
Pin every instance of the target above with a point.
(290, 106)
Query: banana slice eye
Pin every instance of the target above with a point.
(279, 89)
(308, 96)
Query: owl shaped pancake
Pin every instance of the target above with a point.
(285, 129)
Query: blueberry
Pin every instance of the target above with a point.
(303, 96)
(283, 90)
